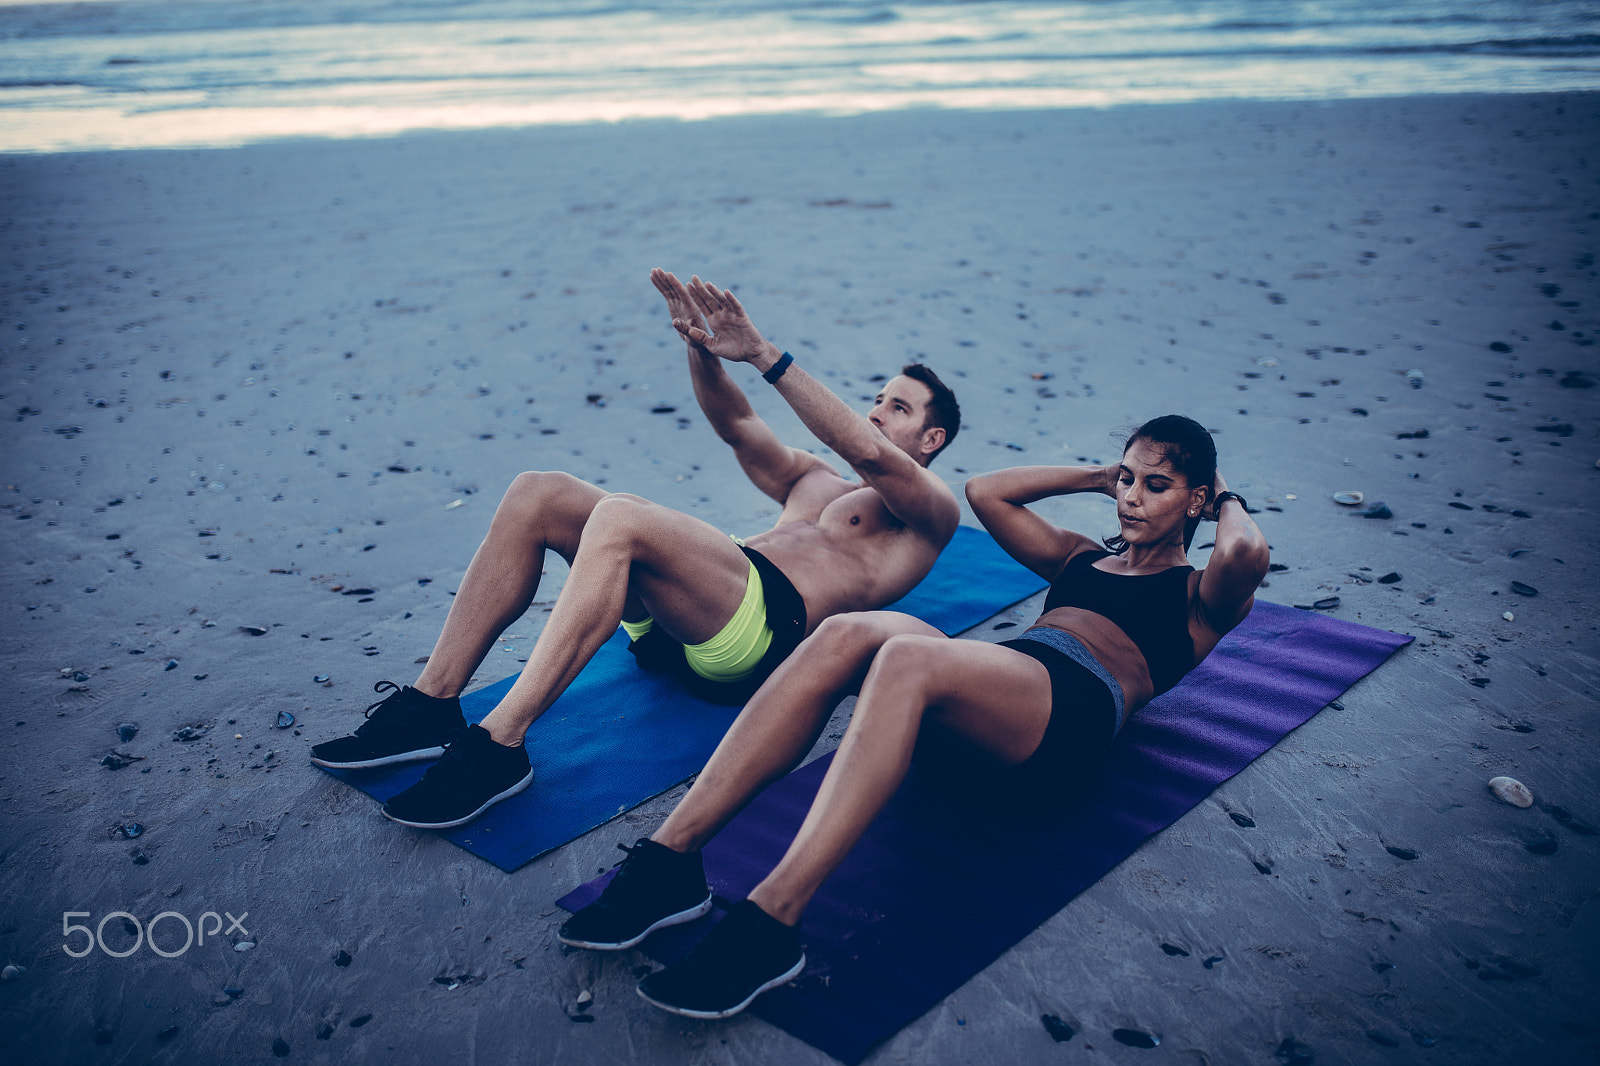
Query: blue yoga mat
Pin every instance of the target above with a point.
(936, 891)
(618, 735)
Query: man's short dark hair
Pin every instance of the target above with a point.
(943, 410)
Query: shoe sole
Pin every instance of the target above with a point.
(385, 760)
(713, 1015)
(490, 802)
(700, 910)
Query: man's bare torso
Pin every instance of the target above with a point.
(843, 549)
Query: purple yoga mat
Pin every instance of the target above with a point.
(894, 930)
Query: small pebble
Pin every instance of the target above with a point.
(1135, 1038)
(1390, 578)
(244, 945)
(585, 997)
(280, 1047)
(254, 631)
(1378, 510)
(12, 972)
(131, 830)
(342, 958)
(1509, 617)
(1059, 1030)
(285, 719)
(1510, 790)
(127, 731)
(321, 679)
(172, 664)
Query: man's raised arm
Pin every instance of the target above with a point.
(772, 466)
(911, 493)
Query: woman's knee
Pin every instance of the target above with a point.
(914, 651)
(854, 634)
(910, 663)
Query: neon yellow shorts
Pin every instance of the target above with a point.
(735, 652)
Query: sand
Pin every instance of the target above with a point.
(250, 382)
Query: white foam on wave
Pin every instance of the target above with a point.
(222, 72)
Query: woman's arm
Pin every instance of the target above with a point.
(1238, 563)
(1000, 501)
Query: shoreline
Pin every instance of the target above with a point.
(627, 123)
(257, 379)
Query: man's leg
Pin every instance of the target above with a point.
(539, 511)
(688, 576)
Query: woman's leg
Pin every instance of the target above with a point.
(995, 698)
(782, 721)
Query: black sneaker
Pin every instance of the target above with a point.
(656, 887)
(750, 952)
(405, 726)
(474, 774)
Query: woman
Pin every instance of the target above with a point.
(1030, 717)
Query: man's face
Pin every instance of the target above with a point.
(900, 411)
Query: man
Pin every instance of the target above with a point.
(720, 614)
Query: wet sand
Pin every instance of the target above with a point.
(282, 387)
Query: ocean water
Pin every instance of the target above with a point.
(97, 74)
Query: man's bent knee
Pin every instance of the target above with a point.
(540, 486)
(548, 496)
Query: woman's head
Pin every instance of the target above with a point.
(1169, 465)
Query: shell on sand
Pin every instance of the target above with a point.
(1349, 499)
(1510, 790)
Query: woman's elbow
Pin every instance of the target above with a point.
(1247, 562)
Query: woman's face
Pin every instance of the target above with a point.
(1153, 499)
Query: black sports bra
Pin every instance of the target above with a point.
(1152, 609)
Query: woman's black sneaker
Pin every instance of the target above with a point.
(474, 774)
(747, 954)
(654, 888)
(405, 726)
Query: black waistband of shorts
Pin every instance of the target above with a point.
(785, 607)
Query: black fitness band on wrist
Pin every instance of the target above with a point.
(775, 372)
(1224, 497)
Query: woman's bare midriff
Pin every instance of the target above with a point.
(1112, 647)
